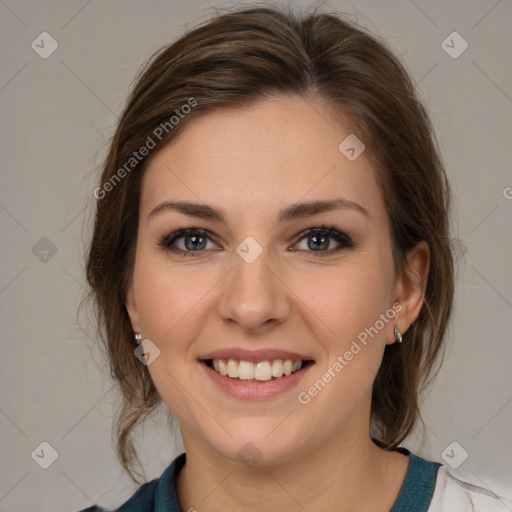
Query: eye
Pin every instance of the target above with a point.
(187, 241)
(319, 241)
(193, 241)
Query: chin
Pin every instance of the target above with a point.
(259, 444)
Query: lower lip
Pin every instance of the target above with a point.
(255, 390)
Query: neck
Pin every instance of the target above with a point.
(333, 476)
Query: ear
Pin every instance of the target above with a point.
(410, 289)
(131, 307)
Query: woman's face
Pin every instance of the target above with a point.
(257, 287)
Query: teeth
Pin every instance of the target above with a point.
(262, 371)
(277, 368)
(223, 367)
(232, 368)
(245, 370)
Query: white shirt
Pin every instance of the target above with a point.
(462, 492)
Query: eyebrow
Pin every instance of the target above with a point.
(294, 211)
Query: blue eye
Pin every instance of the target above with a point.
(194, 241)
(318, 240)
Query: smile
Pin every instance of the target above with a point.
(258, 379)
(260, 371)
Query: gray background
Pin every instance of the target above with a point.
(57, 114)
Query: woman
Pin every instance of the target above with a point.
(271, 259)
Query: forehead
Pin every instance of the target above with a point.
(276, 152)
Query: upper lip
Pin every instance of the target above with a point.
(254, 356)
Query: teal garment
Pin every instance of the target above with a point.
(418, 488)
(160, 495)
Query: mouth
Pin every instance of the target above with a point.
(257, 371)
(261, 374)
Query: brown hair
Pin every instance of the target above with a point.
(234, 60)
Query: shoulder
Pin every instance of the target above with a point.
(433, 487)
(459, 491)
(142, 501)
(159, 493)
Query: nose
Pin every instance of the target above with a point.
(254, 297)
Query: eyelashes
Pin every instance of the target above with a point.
(194, 234)
(196, 241)
(320, 236)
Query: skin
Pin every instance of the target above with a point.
(251, 163)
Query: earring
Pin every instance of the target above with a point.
(138, 336)
(398, 335)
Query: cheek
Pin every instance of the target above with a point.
(171, 302)
(350, 304)
(346, 304)
(169, 297)
(347, 298)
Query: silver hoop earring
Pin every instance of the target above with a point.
(398, 335)
(138, 336)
